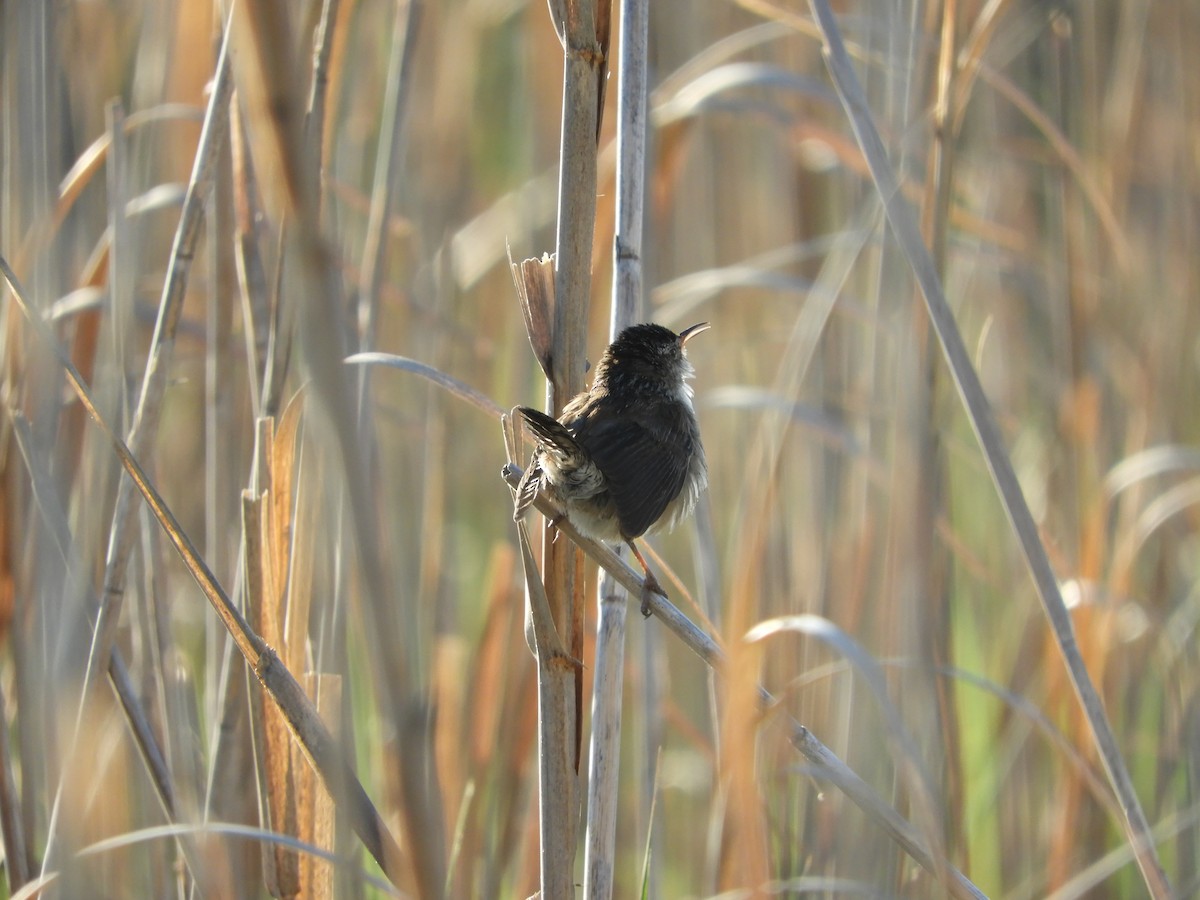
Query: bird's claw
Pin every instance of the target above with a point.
(554, 523)
(650, 586)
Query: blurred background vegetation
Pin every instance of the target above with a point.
(1052, 149)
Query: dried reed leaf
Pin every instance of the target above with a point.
(281, 865)
(316, 810)
(295, 595)
(534, 280)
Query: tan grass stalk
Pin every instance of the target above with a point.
(267, 511)
(316, 809)
(558, 672)
(925, 556)
(987, 432)
(15, 852)
(388, 161)
(302, 718)
(145, 422)
(281, 867)
(265, 71)
(318, 94)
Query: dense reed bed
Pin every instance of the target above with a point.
(243, 561)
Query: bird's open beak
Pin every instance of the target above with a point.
(692, 331)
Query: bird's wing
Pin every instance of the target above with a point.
(644, 473)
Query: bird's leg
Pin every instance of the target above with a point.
(649, 583)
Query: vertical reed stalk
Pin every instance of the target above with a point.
(605, 746)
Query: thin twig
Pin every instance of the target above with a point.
(829, 766)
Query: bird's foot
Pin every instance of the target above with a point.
(650, 586)
(554, 523)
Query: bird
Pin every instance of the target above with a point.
(624, 458)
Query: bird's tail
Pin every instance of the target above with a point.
(551, 436)
(550, 433)
(527, 489)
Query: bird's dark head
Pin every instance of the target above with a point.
(648, 358)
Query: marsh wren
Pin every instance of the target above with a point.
(625, 456)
